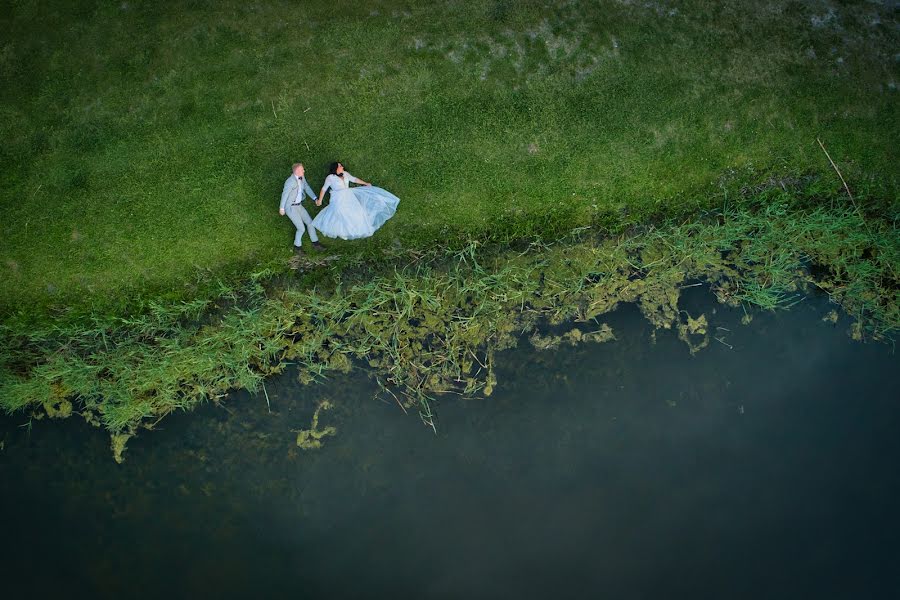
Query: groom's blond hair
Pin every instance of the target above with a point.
(295, 165)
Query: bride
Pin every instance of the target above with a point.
(352, 212)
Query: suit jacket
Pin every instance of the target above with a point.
(291, 193)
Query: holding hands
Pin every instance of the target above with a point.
(352, 212)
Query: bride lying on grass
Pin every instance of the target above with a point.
(352, 213)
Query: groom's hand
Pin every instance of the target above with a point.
(281, 211)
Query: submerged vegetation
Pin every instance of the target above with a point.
(311, 439)
(435, 325)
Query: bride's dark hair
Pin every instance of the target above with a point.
(332, 168)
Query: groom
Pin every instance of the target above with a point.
(291, 197)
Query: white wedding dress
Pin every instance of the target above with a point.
(354, 213)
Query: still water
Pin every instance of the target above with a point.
(765, 466)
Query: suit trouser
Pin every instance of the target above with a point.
(298, 217)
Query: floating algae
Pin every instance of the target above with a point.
(689, 330)
(117, 444)
(573, 337)
(59, 410)
(310, 439)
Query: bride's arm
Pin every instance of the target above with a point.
(357, 180)
(322, 192)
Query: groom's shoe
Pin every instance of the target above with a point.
(298, 251)
(318, 246)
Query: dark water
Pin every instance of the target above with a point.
(625, 470)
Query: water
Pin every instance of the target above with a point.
(629, 469)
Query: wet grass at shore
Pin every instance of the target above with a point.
(433, 325)
(144, 144)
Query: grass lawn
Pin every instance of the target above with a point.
(144, 144)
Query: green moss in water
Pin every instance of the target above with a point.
(118, 443)
(572, 337)
(311, 439)
(694, 333)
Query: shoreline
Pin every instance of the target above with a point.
(432, 325)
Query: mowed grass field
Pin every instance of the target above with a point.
(145, 144)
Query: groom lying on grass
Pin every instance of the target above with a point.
(291, 198)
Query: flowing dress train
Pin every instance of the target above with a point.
(354, 213)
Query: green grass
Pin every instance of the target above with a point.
(144, 144)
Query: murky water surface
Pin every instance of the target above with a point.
(764, 466)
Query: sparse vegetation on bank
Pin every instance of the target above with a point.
(553, 160)
(433, 325)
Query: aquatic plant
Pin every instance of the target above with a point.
(434, 325)
(311, 439)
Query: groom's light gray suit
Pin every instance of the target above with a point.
(291, 198)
